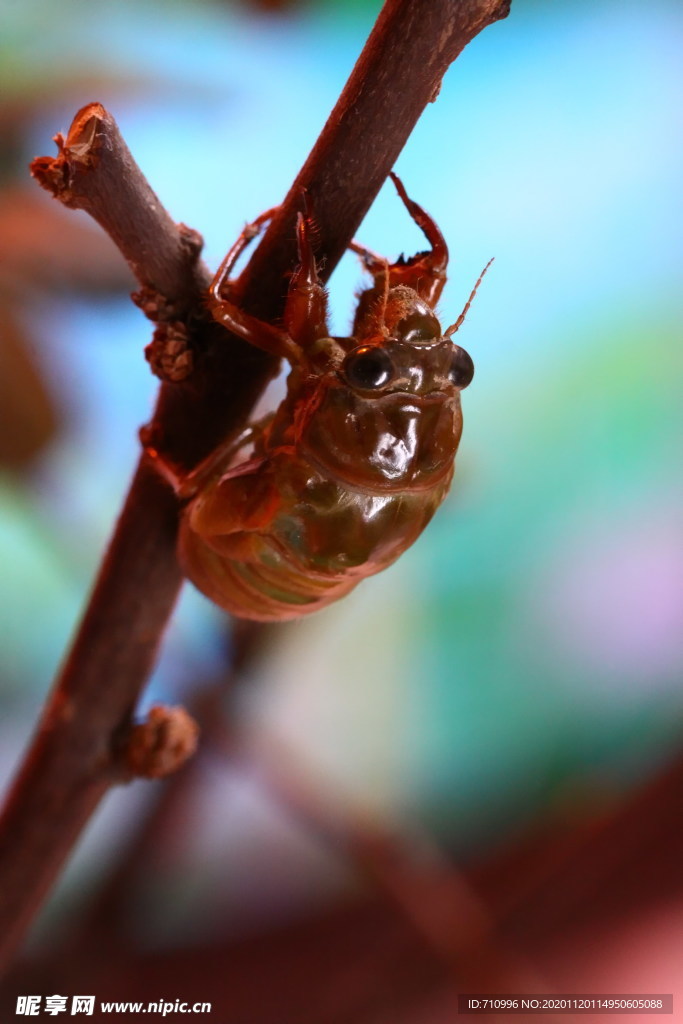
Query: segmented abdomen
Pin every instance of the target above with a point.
(321, 541)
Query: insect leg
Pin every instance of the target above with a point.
(257, 332)
(425, 273)
(187, 483)
(249, 233)
(372, 261)
(228, 313)
(306, 308)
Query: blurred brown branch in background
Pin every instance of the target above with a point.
(547, 896)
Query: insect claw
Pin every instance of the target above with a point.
(305, 200)
(400, 187)
(249, 233)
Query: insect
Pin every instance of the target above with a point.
(348, 471)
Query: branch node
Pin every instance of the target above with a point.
(169, 354)
(157, 307)
(162, 744)
(191, 240)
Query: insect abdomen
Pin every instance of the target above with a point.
(265, 586)
(315, 549)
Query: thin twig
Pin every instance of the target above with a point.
(102, 924)
(72, 759)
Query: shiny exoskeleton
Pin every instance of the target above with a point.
(350, 468)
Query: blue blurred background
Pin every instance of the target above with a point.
(524, 658)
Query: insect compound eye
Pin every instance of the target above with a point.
(368, 368)
(461, 369)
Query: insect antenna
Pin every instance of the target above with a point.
(458, 323)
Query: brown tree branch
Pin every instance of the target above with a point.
(72, 759)
(95, 171)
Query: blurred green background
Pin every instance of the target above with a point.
(524, 658)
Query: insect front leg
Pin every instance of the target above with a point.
(248, 234)
(230, 509)
(305, 314)
(227, 312)
(425, 272)
(375, 264)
